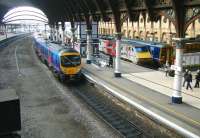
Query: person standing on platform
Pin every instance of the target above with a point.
(197, 77)
(189, 80)
(167, 68)
(184, 76)
(110, 64)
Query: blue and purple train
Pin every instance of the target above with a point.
(64, 62)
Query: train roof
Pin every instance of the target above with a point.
(107, 37)
(147, 43)
(57, 48)
(132, 42)
(136, 41)
(69, 50)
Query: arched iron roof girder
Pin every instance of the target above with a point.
(25, 15)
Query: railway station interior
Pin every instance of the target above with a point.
(99, 69)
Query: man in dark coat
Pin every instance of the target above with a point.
(110, 61)
(197, 77)
(184, 76)
(189, 80)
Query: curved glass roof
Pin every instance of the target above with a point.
(25, 15)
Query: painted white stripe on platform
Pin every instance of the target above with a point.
(160, 82)
(16, 60)
(163, 120)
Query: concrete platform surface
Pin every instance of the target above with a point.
(157, 81)
(151, 96)
(49, 109)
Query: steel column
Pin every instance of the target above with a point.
(118, 53)
(57, 32)
(177, 86)
(73, 36)
(89, 46)
(63, 33)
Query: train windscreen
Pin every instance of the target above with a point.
(70, 60)
(141, 49)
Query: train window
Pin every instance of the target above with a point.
(141, 49)
(70, 61)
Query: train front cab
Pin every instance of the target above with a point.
(134, 52)
(142, 54)
(70, 65)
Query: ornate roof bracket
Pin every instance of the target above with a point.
(86, 9)
(191, 15)
(179, 10)
(128, 7)
(153, 16)
(99, 6)
(124, 17)
(136, 16)
(88, 22)
(69, 10)
(72, 24)
(114, 5)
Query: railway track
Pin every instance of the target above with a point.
(124, 127)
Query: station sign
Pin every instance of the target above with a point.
(176, 68)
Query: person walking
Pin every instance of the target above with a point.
(184, 76)
(189, 80)
(197, 77)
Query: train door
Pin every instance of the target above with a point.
(101, 45)
(130, 53)
(109, 47)
(123, 51)
(106, 44)
(155, 51)
(170, 55)
(134, 57)
(113, 49)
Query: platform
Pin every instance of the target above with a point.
(2, 37)
(150, 91)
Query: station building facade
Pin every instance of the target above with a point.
(161, 31)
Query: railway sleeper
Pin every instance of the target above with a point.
(111, 115)
(118, 123)
(136, 134)
(127, 130)
(114, 118)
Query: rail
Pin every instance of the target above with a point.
(124, 127)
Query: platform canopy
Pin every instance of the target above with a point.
(180, 12)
